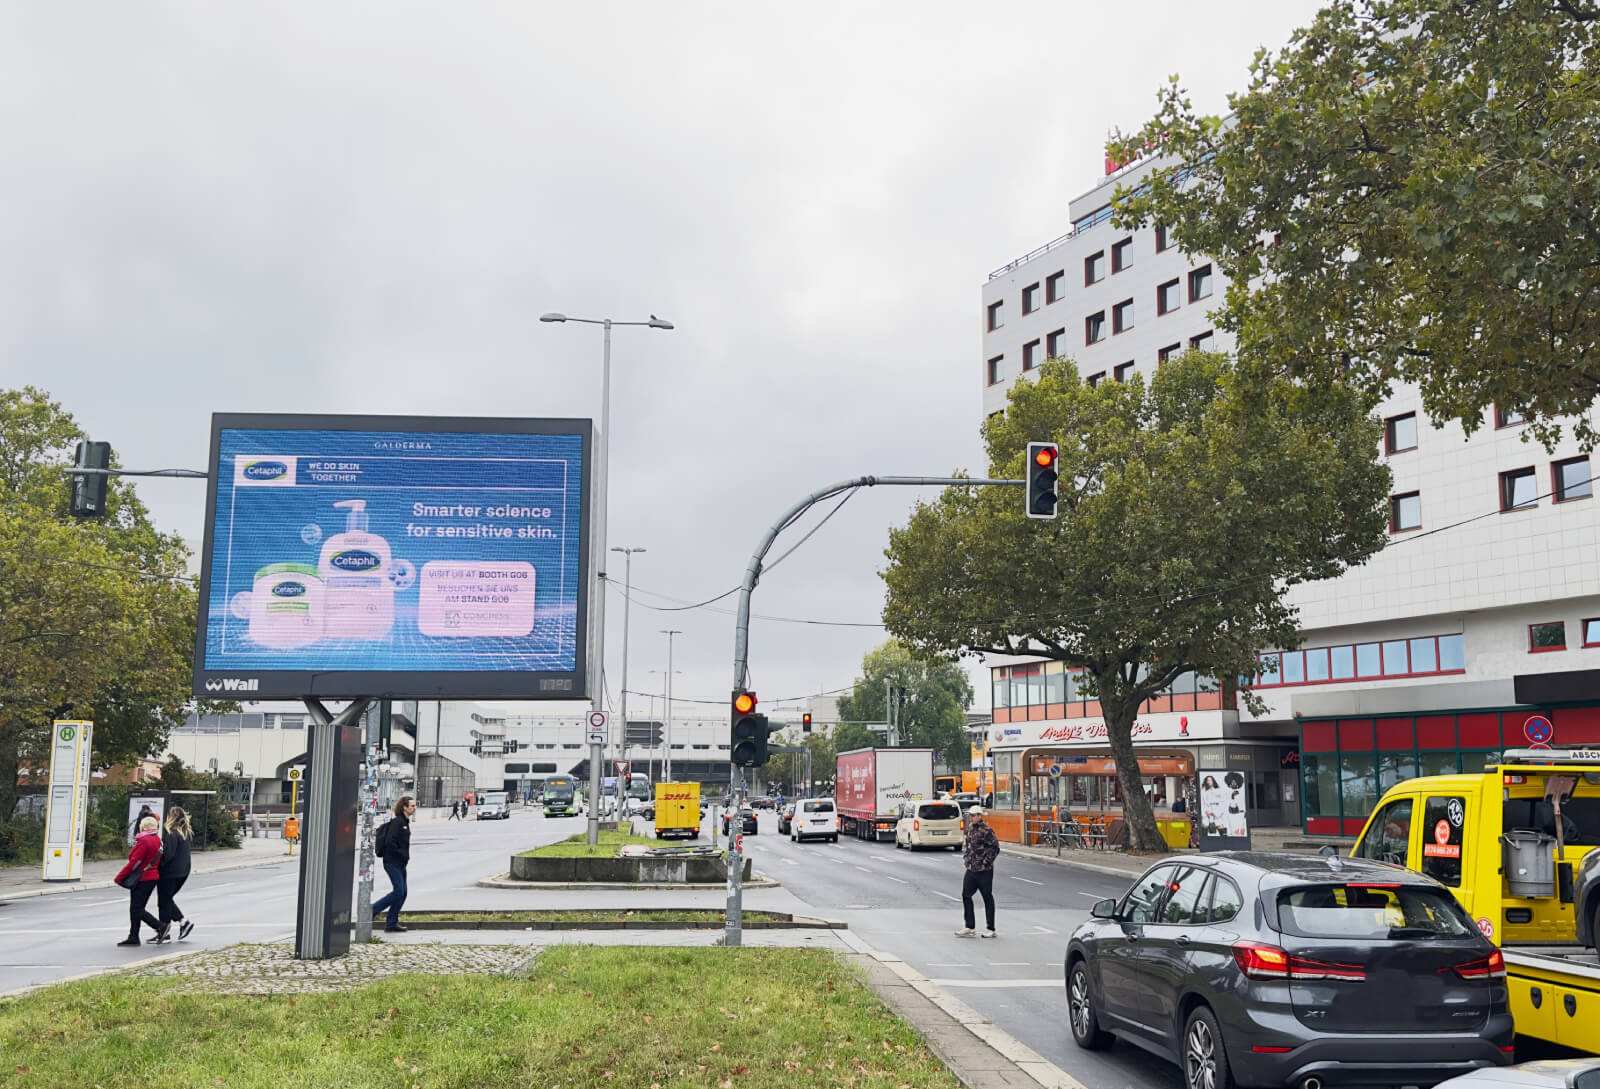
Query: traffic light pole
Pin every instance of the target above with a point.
(732, 934)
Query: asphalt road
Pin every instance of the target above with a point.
(908, 903)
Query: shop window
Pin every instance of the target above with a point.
(1443, 817)
(1474, 762)
(1437, 763)
(1319, 776)
(1545, 637)
(1389, 839)
(1358, 781)
(1008, 786)
(1395, 767)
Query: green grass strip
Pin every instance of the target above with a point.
(578, 846)
(645, 1017)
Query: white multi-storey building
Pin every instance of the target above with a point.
(1477, 627)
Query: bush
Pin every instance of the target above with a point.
(21, 840)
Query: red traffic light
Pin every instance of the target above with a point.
(1045, 456)
(744, 702)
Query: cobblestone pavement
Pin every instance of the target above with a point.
(272, 969)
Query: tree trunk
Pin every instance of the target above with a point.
(1136, 811)
(10, 737)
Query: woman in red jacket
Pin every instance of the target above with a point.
(146, 853)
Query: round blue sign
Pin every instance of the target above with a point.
(1538, 730)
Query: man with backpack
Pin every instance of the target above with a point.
(393, 845)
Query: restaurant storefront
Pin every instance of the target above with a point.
(1347, 763)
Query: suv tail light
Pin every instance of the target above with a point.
(1260, 961)
(1491, 967)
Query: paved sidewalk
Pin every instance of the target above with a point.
(17, 882)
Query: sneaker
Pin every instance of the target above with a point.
(966, 932)
(987, 934)
(184, 928)
(160, 936)
(128, 942)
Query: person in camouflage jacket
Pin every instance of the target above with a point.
(978, 852)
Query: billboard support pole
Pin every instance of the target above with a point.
(322, 916)
(741, 640)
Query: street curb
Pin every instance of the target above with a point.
(96, 886)
(1041, 1070)
(115, 969)
(505, 881)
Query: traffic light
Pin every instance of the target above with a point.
(89, 489)
(805, 722)
(749, 741)
(1041, 470)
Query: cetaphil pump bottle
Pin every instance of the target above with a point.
(358, 598)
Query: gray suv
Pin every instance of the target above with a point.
(1586, 895)
(1262, 969)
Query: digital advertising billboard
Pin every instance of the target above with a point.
(384, 556)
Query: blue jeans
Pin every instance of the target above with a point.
(396, 897)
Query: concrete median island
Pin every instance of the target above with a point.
(574, 861)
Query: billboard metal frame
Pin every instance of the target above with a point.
(401, 684)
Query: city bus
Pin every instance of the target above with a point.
(561, 796)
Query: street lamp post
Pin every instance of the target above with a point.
(669, 633)
(597, 549)
(627, 606)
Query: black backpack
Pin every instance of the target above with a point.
(381, 841)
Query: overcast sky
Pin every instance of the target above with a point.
(365, 208)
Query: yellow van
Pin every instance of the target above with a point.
(678, 810)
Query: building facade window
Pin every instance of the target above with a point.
(1123, 371)
(1094, 267)
(997, 315)
(1518, 489)
(1122, 255)
(1055, 344)
(1030, 298)
(1569, 479)
(1095, 379)
(1508, 417)
(1054, 285)
(1591, 633)
(1168, 352)
(1423, 656)
(1405, 512)
(1094, 327)
(1168, 297)
(1400, 433)
(1200, 283)
(1163, 239)
(1030, 355)
(1547, 636)
(996, 370)
(1201, 342)
(1122, 316)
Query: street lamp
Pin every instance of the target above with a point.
(669, 633)
(597, 547)
(627, 605)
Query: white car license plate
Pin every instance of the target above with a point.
(941, 833)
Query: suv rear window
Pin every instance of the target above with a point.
(940, 811)
(1372, 912)
(817, 807)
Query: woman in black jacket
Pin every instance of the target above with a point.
(396, 838)
(174, 872)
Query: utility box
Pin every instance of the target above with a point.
(678, 810)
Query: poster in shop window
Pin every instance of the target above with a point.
(1222, 812)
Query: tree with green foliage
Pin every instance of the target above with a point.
(1406, 191)
(1188, 506)
(933, 710)
(97, 618)
(785, 767)
(848, 736)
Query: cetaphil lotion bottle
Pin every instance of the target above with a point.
(358, 598)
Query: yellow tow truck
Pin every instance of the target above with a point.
(1511, 843)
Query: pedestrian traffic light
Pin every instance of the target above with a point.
(805, 722)
(1041, 483)
(748, 747)
(89, 489)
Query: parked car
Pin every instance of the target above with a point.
(1550, 1073)
(1257, 969)
(929, 824)
(785, 818)
(747, 818)
(814, 818)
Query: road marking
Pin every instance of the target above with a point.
(124, 929)
(882, 858)
(998, 983)
(946, 895)
(951, 964)
(1029, 880)
(1091, 895)
(863, 869)
(896, 879)
(1008, 964)
(1043, 929)
(788, 862)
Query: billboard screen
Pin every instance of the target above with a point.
(419, 557)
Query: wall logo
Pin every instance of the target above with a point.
(233, 684)
(355, 559)
(261, 471)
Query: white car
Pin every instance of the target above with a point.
(929, 824)
(814, 818)
(1548, 1073)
